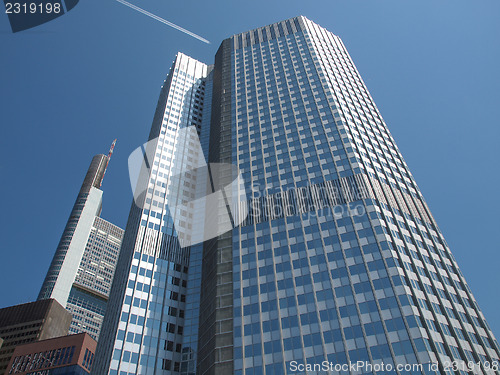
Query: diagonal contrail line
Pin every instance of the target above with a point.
(163, 21)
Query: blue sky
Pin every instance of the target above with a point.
(71, 86)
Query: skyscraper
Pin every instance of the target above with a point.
(149, 297)
(82, 269)
(338, 260)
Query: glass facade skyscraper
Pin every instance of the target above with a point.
(81, 272)
(338, 266)
(148, 319)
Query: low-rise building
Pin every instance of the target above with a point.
(68, 355)
(30, 322)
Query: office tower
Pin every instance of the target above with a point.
(68, 355)
(30, 322)
(81, 272)
(151, 250)
(338, 259)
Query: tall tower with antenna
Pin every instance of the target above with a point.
(82, 269)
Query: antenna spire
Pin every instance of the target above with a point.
(107, 161)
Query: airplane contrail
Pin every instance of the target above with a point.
(163, 21)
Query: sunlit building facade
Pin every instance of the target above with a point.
(338, 259)
(82, 270)
(144, 327)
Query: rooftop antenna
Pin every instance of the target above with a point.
(107, 161)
